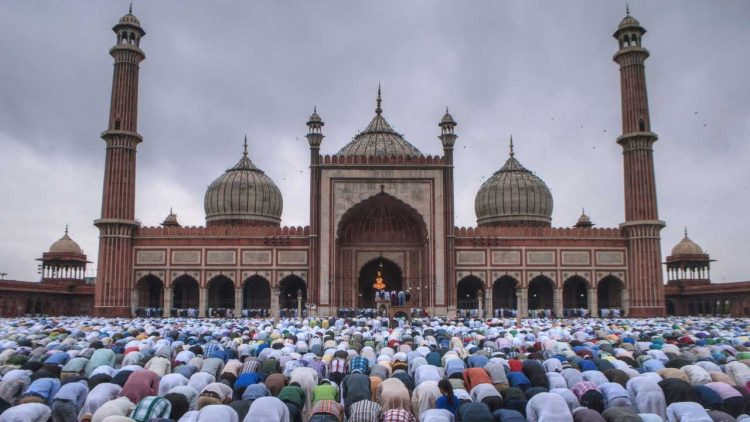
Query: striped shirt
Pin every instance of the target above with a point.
(10, 389)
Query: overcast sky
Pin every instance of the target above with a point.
(214, 71)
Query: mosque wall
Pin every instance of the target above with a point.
(420, 187)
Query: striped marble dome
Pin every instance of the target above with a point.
(243, 195)
(513, 196)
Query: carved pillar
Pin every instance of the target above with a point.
(488, 303)
(593, 300)
(237, 302)
(626, 302)
(299, 303)
(167, 303)
(480, 303)
(523, 303)
(133, 301)
(557, 302)
(275, 292)
(202, 302)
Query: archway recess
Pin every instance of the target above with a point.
(288, 289)
(150, 291)
(185, 293)
(390, 273)
(609, 293)
(220, 293)
(256, 293)
(381, 225)
(468, 291)
(575, 294)
(541, 293)
(504, 293)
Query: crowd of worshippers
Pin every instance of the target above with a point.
(399, 298)
(366, 370)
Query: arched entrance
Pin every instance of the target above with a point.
(150, 290)
(185, 293)
(504, 299)
(380, 226)
(469, 292)
(389, 272)
(540, 294)
(220, 296)
(575, 296)
(288, 290)
(256, 296)
(609, 296)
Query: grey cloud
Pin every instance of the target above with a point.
(215, 71)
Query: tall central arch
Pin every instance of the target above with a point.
(381, 227)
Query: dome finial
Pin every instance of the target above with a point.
(244, 152)
(378, 109)
(627, 9)
(511, 146)
(685, 231)
(130, 9)
(66, 229)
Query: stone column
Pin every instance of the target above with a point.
(593, 300)
(299, 303)
(557, 302)
(523, 304)
(237, 302)
(488, 303)
(480, 303)
(625, 302)
(133, 301)
(167, 302)
(202, 302)
(275, 292)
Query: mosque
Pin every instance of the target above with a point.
(382, 212)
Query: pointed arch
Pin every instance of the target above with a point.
(540, 293)
(185, 292)
(609, 293)
(469, 290)
(504, 293)
(289, 287)
(256, 293)
(382, 218)
(220, 293)
(150, 292)
(575, 293)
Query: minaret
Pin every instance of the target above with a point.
(315, 138)
(117, 224)
(448, 139)
(642, 226)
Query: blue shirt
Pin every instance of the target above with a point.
(442, 403)
(45, 388)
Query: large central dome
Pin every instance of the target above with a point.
(513, 196)
(379, 139)
(243, 195)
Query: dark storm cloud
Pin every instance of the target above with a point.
(217, 70)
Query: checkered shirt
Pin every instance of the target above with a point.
(328, 406)
(397, 415)
(359, 363)
(151, 407)
(364, 411)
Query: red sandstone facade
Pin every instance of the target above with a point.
(380, 208)
(379, 203)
